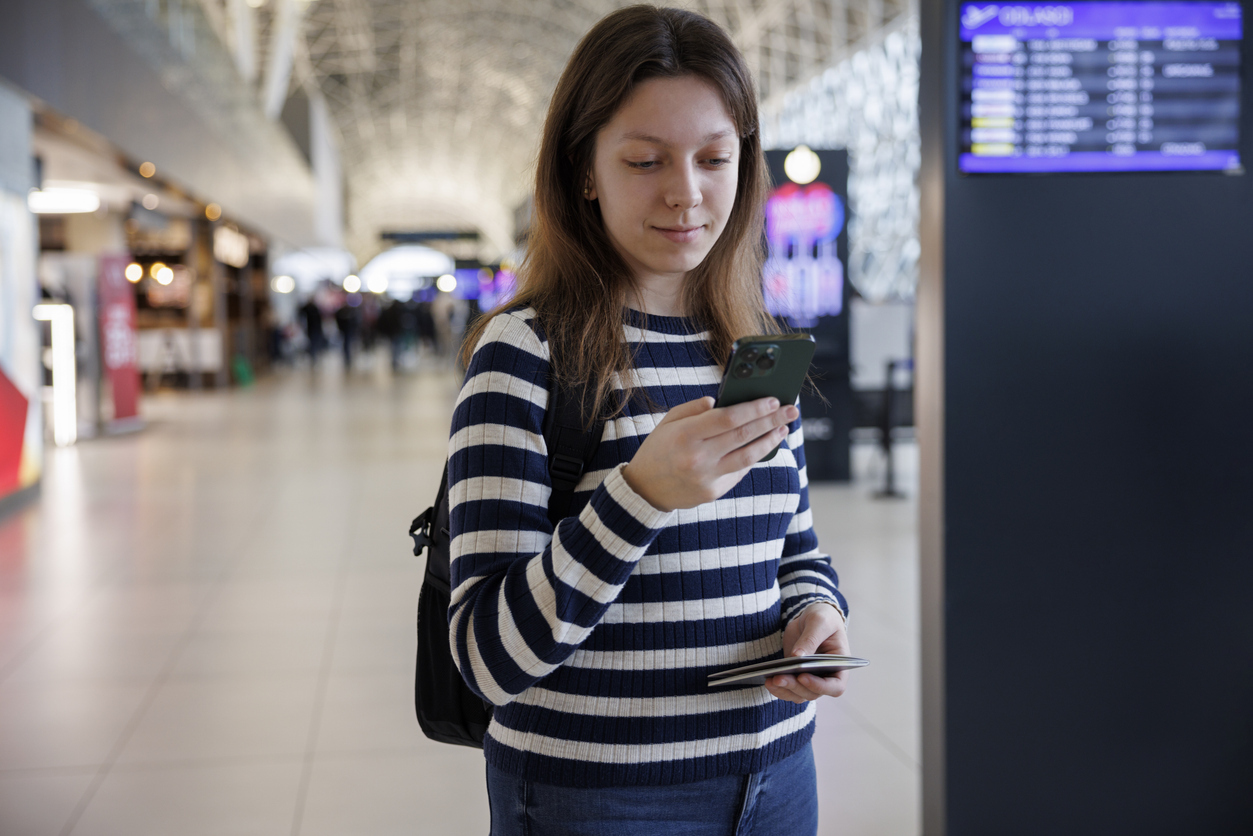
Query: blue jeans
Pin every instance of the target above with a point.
(782, 800)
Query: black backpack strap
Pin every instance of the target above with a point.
(571, 445)
(422, 528)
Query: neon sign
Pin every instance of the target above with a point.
(804, 277)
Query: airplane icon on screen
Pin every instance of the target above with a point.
(975, 17)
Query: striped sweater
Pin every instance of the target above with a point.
(594, 641)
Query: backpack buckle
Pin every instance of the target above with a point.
(565, 471)
(420, 531)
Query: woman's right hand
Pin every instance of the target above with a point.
(698, 453)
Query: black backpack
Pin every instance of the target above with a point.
(448, 711)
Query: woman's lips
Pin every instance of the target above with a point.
(680, 234)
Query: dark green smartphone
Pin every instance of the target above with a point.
(764, 367)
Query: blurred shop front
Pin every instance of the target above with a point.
(144, 181)
(165, 290)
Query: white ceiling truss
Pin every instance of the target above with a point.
(440, 105)
(868, 104)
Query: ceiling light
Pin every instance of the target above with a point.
(447, 283)
(802, 165)
(134, 272)
(352, 284)
(147, 169)
(164, 276)
(155, 268)
(377, 284)
(151, 202)
(213, 211)
(283, 284)
(62, 201)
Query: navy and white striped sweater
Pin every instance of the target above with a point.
(594, 641)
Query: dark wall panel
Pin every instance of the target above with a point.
(1098, 498)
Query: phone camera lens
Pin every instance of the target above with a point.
(765, 362)
(749, 355)
(744, 370)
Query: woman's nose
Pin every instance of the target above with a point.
(683, 187)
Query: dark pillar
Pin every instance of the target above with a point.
(1084, 389)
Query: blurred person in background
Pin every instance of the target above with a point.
(368, 316)
(347, 319)
(593, 639)
(425, 323)
(311, 317)
(395, 324)
(275, 337)
(443, 307)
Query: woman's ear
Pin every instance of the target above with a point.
(589, 189)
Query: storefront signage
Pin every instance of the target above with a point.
(230, 246)
(804, 277)
(119, 335)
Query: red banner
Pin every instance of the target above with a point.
(119, 338)
(13, 410)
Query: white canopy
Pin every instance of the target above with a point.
(312, 265)
(404, 269)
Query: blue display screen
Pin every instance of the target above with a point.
(804, 277)
(1098, 87)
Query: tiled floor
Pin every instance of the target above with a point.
(207, 627)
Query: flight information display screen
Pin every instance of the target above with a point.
(1100, 86)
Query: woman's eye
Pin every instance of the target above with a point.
(719, 162)
(647, 164)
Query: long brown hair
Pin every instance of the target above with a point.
(572, 275)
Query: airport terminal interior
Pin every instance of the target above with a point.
(208, 590)
(242, 244)
(208, 625)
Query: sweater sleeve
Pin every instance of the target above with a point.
(805, 573)
(524, 597)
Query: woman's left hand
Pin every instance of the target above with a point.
(819, 628)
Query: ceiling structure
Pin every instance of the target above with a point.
(439, 105)
(868, 104)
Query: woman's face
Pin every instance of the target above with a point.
(665, 171)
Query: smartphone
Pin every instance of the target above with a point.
(764, 367)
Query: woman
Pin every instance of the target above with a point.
(594, 640)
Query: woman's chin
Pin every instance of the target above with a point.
(677, 266)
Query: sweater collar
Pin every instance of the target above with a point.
(680, 325)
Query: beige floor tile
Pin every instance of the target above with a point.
(886, 693)
(266, 604)
(864, 788)
(39, 804)
(365, 649)
(77, 655)
(442, 793)
(142, 608)
(64, 724)
(205, 800)
(22, 631)
(279, 649)
(382, 598)
(224, 717)
(370, 713)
